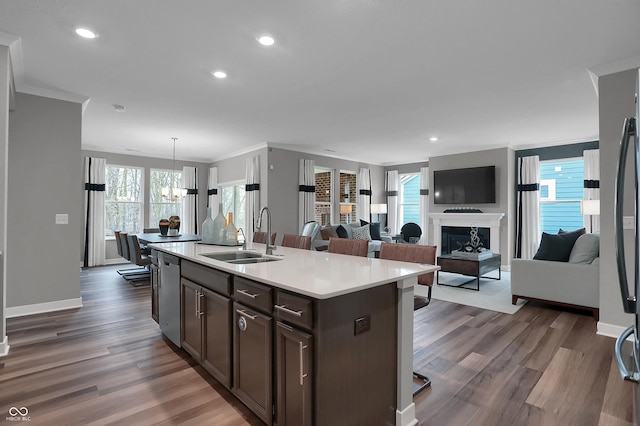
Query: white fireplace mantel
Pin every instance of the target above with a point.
(481, 220)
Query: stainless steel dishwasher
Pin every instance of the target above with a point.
(169, 297)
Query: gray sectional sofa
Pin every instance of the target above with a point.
(574, 283)
(322, 238)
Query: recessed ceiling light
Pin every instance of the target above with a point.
(219, 74)
(83, 32)
(433, 139)
(119, 108)
(266, 40)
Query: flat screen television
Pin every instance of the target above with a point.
(475, 185)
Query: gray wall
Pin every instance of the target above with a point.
(284, 181)
(149, 163)
(279, 169)
(616, 102)
(408, 168)
(504, 160)
(5, 75)
(44, 172)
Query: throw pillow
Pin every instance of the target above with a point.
(374, 229)
(586, 249)
(556, 247)
(579, 231)
(342, 233)
(362, 233)
(327, 232)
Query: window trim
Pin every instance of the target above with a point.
(142, 196)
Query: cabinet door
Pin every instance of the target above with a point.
(155, 277)
(293, 377)
(191, 318)
(217, 336)
(252, 371)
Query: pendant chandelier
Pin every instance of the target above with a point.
(172, 193)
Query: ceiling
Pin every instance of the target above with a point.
(366, 80)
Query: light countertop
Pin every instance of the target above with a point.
(317, 274)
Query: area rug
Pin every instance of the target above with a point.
(494, 295)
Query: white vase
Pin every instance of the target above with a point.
(218, 227)
(208, 228)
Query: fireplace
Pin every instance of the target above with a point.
(453, 237)
(465, 220)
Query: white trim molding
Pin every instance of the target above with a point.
(41, 308)
(481, 220)
(4, 347)
(609, 330)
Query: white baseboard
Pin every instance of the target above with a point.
(609, 330)
(4, 347)
(40, 308)
(407, 417)
(116, 261)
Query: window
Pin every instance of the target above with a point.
(233, 200)
(123, 199)
(561, 190)
(161, 206)
(348, 194)
(409, 198)
(324, 185)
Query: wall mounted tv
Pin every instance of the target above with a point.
(476, 185)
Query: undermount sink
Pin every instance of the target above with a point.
(252, 260)
(226, 256)
(239, 257)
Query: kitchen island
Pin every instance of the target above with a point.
(302, 337)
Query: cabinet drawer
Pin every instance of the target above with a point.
(293, 309)
(252, 294)
(217, 281)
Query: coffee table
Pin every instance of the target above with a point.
(473, 268)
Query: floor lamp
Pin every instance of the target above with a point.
(590, 208)
(378, 209)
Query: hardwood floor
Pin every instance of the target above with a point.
(107, 363)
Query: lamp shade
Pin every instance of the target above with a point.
(378, 208)
(345, 208)
(590, 207)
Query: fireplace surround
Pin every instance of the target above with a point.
(481, 220)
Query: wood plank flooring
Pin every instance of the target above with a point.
(107, 363)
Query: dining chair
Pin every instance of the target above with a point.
(348, 246)
(121, 246)
(261, 237)
(296, 241)
(414, 253)
(137, 257)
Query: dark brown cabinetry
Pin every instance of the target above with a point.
(293, 362)
(155, 280)
(293, 377)
(206, 319)
(292, 359)
(252, 347)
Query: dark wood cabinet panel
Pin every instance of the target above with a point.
(252, 356)
(191, 321)
(293, 376)
(216, 357)
(155, 280)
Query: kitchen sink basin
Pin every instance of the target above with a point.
(252, 260)
(226, 256)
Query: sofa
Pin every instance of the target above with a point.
(354, 230)
(572, 281)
